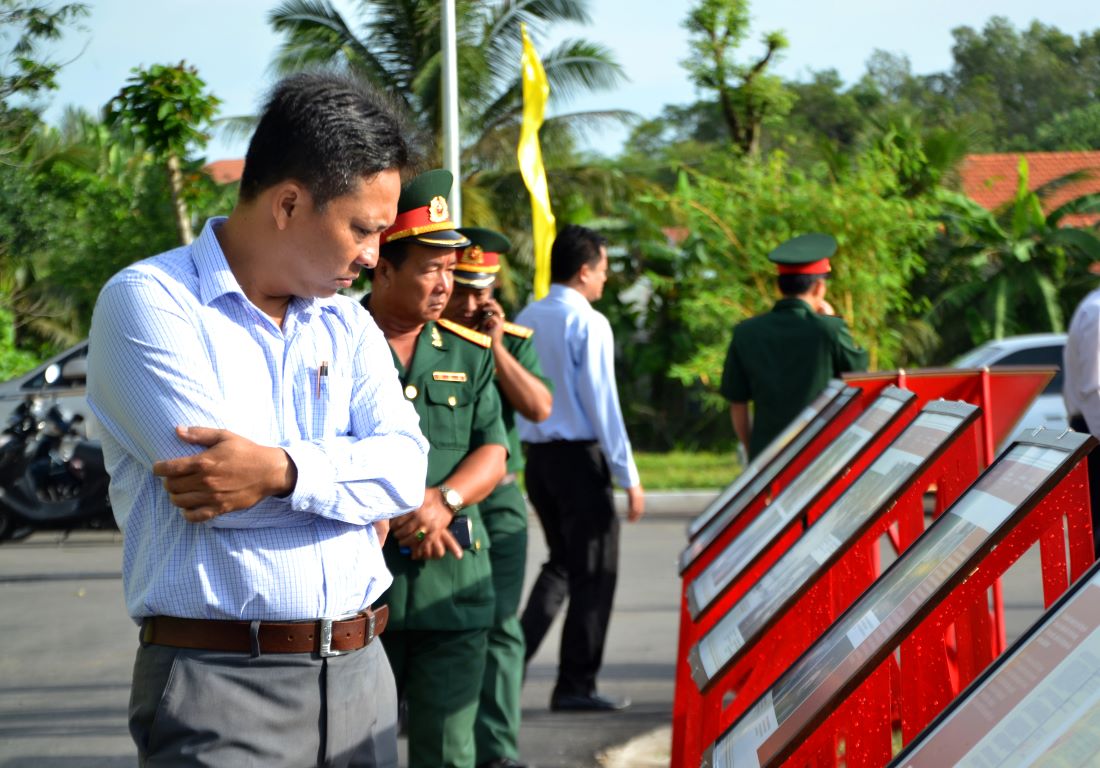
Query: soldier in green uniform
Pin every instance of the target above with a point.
(522, 389)
(781, 360)
(441, 602)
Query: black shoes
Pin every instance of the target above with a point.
(592, 702)
(503, 762)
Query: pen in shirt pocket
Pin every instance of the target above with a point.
(322, 371)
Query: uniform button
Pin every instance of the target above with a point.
(410, 392)
(452, 401)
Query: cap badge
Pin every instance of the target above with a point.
(437, 210)
(474, 255)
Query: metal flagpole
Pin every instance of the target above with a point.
(450, 106)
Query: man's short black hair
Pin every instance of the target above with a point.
(325, 131)
(573, 247)
(796, 285)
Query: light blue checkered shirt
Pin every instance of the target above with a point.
(174, 341)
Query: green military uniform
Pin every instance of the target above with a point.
(440, 609)
(782, 360)
(505, 516)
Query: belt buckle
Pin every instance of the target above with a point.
(370, 628)
(326, 639)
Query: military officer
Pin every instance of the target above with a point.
(781, 360)
(522, 389)
(441, 602)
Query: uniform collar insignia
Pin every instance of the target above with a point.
(437, 340)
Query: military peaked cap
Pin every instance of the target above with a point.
(479, 263)
(423, 215)
(807, 254)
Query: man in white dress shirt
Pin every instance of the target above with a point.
(258, 442)
(1081, 389)
(572, 458)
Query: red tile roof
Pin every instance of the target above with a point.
(990, 180)
(225, 171)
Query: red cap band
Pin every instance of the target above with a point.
(426, 218)
(820, 267)
(474, 259)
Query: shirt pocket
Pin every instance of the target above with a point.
(331, 410)
(450, 414)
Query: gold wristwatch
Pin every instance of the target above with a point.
(452, 498)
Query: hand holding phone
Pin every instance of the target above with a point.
(462, 528)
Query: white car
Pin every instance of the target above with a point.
(1048, 410)
(61, 380)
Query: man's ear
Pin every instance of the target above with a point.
(383, 272)
(287, 200)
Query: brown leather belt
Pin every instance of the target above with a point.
(328, 637)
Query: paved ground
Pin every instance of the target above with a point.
(66, 647)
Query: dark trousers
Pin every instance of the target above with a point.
(570, 487)
(1077, 423)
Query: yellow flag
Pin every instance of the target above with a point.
(535, 92)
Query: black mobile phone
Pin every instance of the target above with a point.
(482, 316)
(463, 530)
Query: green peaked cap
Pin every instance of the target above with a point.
(488, 239)
(479, 262)
(807, 254)
(423, 215)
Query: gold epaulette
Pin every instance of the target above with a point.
(472, 336)
(518, 330)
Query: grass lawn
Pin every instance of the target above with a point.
(682, 470)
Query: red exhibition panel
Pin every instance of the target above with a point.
(823, 573)
(762, 540)
(840, 701)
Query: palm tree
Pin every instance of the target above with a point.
(395, 44)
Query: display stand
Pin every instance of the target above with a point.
(770, 533)
(839, 701)
(761, 470)
(763, 539)
(740, 502)
(1003, 393)
(796, 600)
(1038, 704)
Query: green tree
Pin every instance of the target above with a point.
(700, 250)
(747, 94)
(165, 109)
(1015, 81)
(26, 73)
(1013, 271)
(1074, 129)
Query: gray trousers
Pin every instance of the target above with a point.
(208, 708)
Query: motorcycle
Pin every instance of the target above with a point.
(52, 477)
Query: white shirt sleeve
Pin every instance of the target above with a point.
(1082, 361)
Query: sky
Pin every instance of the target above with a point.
(231, 44)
